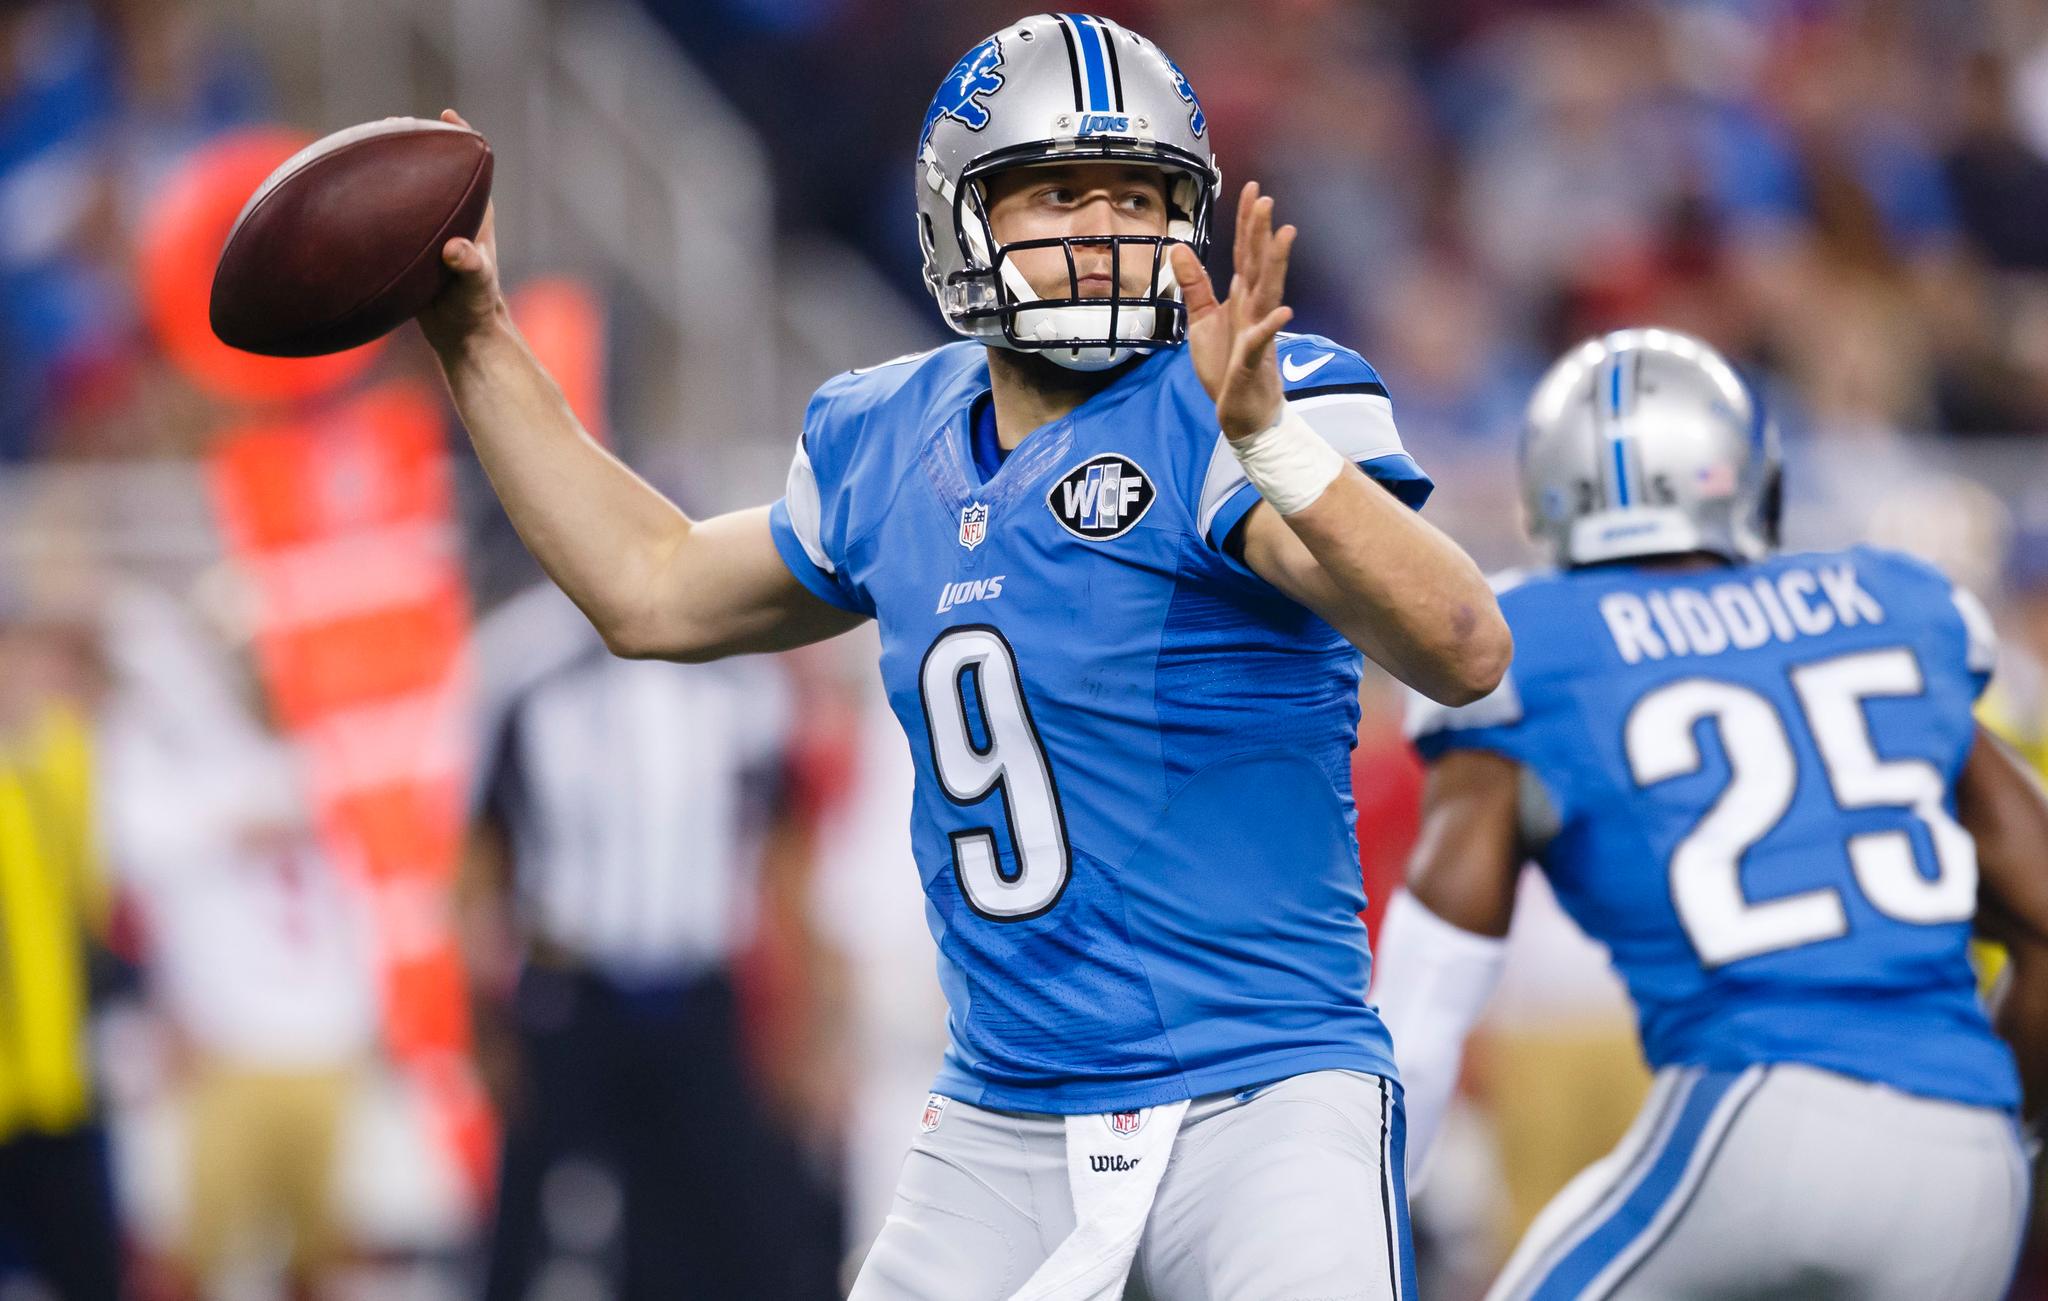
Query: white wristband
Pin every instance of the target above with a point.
(1288, 462)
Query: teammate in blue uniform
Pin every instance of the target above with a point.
(1124, 544)
(1755, 779)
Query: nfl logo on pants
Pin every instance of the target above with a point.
(1126, 1123)
(973, 525)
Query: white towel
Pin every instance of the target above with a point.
(1114, 1163)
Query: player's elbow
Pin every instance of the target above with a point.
(629, 641)
(639, 642)
(632, 637)
(1476, 660)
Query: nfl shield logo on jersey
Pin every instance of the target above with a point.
(1125, 1123)
(973, 524)
(1101, 498)
(934, 1111)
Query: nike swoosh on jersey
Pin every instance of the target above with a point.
(1296, 374)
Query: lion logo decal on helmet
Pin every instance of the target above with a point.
(960, 97)
(1198, 121)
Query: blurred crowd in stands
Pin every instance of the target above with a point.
(1849, 197)
(1840, 194)
(98, 103)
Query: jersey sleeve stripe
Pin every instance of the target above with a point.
(1359, 425)
(1371, 388)
(800, 491)
(789, 545)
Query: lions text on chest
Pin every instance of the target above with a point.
(968, 590)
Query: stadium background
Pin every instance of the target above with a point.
(705, 207)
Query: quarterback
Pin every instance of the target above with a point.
(1124, 543)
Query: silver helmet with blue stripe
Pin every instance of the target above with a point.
(1646, 442)
(1060, 88)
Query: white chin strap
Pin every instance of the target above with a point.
(1052, 325)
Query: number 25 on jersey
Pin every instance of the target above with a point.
(1723, 924)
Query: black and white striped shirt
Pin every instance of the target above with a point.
(632, 793)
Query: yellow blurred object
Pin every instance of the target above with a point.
(51, 898)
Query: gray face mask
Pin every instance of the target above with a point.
(1645, 442)
(1066, 88)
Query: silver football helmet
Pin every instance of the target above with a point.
(1646, 442)
(1060, 88)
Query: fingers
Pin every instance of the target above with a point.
(1195, 289)
(1247, 201)
(1255, 343)
(1234, 305)
(466, 258)
(1260, 258)
(451, 116)
(1259, 255)
(1259, 236)
(1272, 283)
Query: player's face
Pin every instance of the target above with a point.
(1077, 200)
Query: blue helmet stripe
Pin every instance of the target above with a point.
(1107, 30)
(1094, 59)
(1615, 440)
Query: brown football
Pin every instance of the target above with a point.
(343, 242)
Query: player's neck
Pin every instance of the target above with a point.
(1030, 392)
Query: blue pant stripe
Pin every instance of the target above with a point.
(1655, 1129)
(1571, 1276)
(1397, 1164)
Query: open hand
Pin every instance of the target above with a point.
(471, 302)
(1232, 341)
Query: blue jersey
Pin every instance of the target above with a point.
(1132, 815)
(1750, 777)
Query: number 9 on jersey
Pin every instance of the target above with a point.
(983, 741)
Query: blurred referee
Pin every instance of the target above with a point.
(624, 807)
